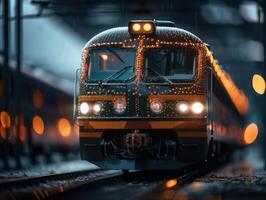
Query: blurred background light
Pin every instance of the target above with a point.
(170, 183)
(251, 133)
(258, 84)
(196, 185)
(38, 125)
(5, 119)
(64, 127)
(252, 50)
(249, 11)
(220, 14)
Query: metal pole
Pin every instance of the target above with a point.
(264, 76)
(18, 76)
(6, 70)
(6, 53)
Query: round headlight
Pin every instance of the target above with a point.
(147, 27)
(120, 105)
(136, 27)
(97, 108)
(84, 108)
(156, 106)
(197, 107)
(182, 107)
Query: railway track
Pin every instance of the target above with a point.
(168, 188)
(102, 184)
(141, 184)
(43, 187)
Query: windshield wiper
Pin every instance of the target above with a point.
(160, 75)
(116, 74)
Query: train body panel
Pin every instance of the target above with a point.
(227, 122)
(149, 100)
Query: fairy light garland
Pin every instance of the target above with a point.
(139, 63)
(84, 64)
(237, 96)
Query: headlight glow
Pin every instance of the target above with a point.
(182, 107)
(141, 27)
(156, 106)
(197, 107)
(97, 108)
(147, 27)
(120, 105)
(136, 27)
(84, 108)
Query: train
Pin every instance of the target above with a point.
(151, 95)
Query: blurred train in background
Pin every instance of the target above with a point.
(47, 131)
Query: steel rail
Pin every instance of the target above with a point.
(46, 186)
(84, 182)
(140, 184)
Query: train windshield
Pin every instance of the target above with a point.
(112, 64)
(169, 64)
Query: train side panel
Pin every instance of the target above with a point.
(225, 121)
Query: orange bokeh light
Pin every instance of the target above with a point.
(19, 121)
(64, 127)
(37, 99)
(251, 133)
(197, 185)
(258, 84)
(170, 183)
(38, 125)
(5, 119)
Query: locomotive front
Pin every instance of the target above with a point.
(142, 97)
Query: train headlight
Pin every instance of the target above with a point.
(147, 27)
(156, 106)
(136, 27)
(182, 107)
(97, 108)
(84, 108)
(144, 27)
(197, 107)
(120, 105)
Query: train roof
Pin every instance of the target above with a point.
(162, 33)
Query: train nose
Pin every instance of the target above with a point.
(138, 102)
